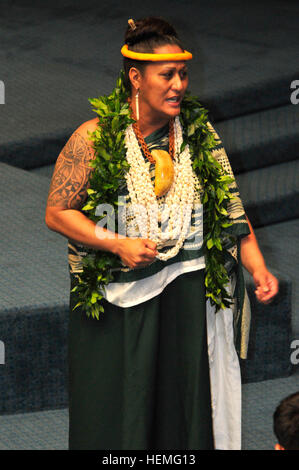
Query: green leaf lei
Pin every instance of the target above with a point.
(108, 175)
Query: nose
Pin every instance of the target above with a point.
(177, 83)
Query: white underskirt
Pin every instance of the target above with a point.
(225, 377)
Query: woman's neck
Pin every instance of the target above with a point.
(148, 121)
(148, 126)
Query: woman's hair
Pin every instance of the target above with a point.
(150, 33)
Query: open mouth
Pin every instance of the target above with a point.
(175, 100)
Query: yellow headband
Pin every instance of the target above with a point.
(155, 57)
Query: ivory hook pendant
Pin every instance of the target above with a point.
(164, 171)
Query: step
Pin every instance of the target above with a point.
(48, 430)
(25, 239)
(57, 62)
(251, 142)
(271, 334)
(270, 195)
(280, 248)
(46, 171)
(264, 192)
(275, 327)
(254, 141)
(34, 293)
(261, 139)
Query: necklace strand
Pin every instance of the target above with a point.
(177, 203)
(145, 148)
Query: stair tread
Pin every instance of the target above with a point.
(33, 257)
(270, 183)
(261, 139)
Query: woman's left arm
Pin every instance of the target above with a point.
(253, 260)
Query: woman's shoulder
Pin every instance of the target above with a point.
(79, 142)
(87, 127)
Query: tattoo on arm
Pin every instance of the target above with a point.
(70, 178)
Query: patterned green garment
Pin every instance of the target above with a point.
(131, 287)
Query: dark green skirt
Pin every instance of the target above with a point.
(139, 376)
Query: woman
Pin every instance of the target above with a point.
(159, 370)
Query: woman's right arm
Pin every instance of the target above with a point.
(67, 195)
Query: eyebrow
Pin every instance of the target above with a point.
(170, 67)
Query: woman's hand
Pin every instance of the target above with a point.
(136, 252)
(266, 285)
(253, 260)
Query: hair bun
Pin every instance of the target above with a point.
(146, 29)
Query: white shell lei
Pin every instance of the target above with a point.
(177, 203)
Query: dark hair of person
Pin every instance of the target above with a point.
(286, 422)
(150, 33)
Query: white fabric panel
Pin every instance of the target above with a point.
(225, 376)
(127, 294)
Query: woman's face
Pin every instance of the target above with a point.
(162, 86)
